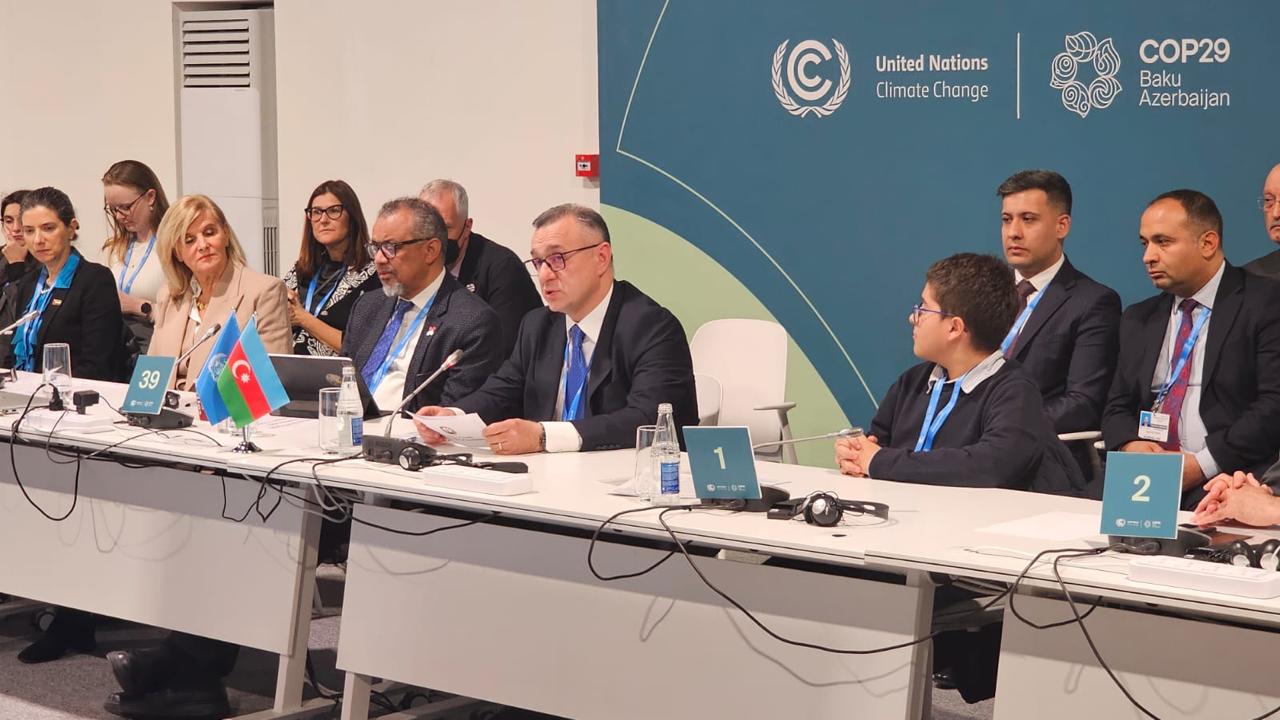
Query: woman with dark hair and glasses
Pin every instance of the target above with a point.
(134, 202)
(332, 271)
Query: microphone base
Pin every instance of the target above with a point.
(769, 496)
(166, 420)
(387, 451)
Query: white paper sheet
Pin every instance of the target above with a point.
(1049, 526)
(466, 430)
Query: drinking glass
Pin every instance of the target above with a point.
(646, 476)
(330, 423)
(57, 368)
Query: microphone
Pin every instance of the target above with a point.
(388, 450)
(200, 341)
(449, 362)
(847, 432)
(24, 319)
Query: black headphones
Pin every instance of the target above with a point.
(1264, 555)
(826, 509)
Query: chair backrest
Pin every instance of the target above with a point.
(709, 398)
(749, 358)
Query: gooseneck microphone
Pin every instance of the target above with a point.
(389, 450)
(449, 362)
(847, 432)
(16, 323)
(199, 341)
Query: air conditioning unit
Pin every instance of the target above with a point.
(227, 122)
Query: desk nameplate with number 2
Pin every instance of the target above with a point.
(1142, 494)
(148, 384)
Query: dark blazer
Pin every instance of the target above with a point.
(997, 436)
(641, 359)
(1240, 387)
(493, 272)
(1068, 347)
(457, 320)
(86, 316)
(1268, 265)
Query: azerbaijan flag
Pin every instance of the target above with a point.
(248, 384)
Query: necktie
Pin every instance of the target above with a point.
(575, 377)
(1178, 391)
(380, 350)
(1025, 288)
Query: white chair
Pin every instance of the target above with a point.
(749, 359)
(1093, 447)
(710, 395)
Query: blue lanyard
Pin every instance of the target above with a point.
(1021, 322)
(311, 292)
(399, 348)
(126, 287)
(25, 348)
(929, 428)
(570, 411)
(1175, 370)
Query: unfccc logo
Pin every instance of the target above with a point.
(809, 88)
(1084, 49)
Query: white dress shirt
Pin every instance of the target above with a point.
(563, 436)
(390, 392)
(1042, 278)
(1191, 430)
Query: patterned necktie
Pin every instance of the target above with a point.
(1178, 391)
(575, 377)
(1025, 288)
(380, 350)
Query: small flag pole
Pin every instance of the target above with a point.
(246, 445)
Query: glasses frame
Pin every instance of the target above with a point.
(314, 214)
(918, 308)
(391, 248)
(557, 258)
(122, 210)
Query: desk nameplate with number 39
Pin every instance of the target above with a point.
(1142, 494)
(148, 384)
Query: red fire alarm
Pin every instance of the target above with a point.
(587, 166)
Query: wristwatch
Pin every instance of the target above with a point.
(542, 437)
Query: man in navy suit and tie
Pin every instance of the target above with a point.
(1202, 357)
(591, 366)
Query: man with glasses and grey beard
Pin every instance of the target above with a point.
(593, 365)
(400, 336)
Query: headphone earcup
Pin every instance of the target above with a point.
(1268, 555)
(823, 510)
(1241, 554)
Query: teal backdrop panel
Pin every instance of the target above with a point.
(824, 152)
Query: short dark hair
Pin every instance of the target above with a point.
(14, 197)
(55, 200)
(583, 214)
(1200, 208)
(427, 223)
(978, 289)
(1053, 185)
(310, 252)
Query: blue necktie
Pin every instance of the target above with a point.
(575, 377)
(379, 354)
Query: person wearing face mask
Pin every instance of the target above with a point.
(77, 305)
(13, 258)
(206, 279)
(481, 265)
(333, 269)
(134, 202)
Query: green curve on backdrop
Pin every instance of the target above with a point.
(697, 289)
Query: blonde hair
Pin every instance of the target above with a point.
(136, 175)
(174, 226)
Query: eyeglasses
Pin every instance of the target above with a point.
(917, 309)
(391, 248)
(333, 211)
(1266, 202)
(119, 210)
(556, 260)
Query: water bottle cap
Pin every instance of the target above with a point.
(664, 407)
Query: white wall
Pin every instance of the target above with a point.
(385, 94)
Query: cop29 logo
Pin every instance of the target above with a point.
(1084, 50)
(809, 88)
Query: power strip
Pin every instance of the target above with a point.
(1203, 575)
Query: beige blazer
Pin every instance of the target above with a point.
(241, 290)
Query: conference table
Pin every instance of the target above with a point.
(477, 583)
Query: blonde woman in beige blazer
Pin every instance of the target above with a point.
(206, 280)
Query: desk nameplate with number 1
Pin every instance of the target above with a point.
(721, 462)
(148, 384)
(1142, 494)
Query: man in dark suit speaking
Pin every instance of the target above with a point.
(399, 336)
(1067, 329)
(1202, 357)
(593, 365)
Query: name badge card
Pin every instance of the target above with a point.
(147, 386)
(1153, 426)
(721, 462)
(1142, 494)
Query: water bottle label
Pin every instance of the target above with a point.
(357, 431)
(670, 478)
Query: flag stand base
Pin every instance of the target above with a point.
(246, 445)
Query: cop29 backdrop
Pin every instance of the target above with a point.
(805, 161)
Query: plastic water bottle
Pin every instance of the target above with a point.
(666, 452)
(350, 411)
